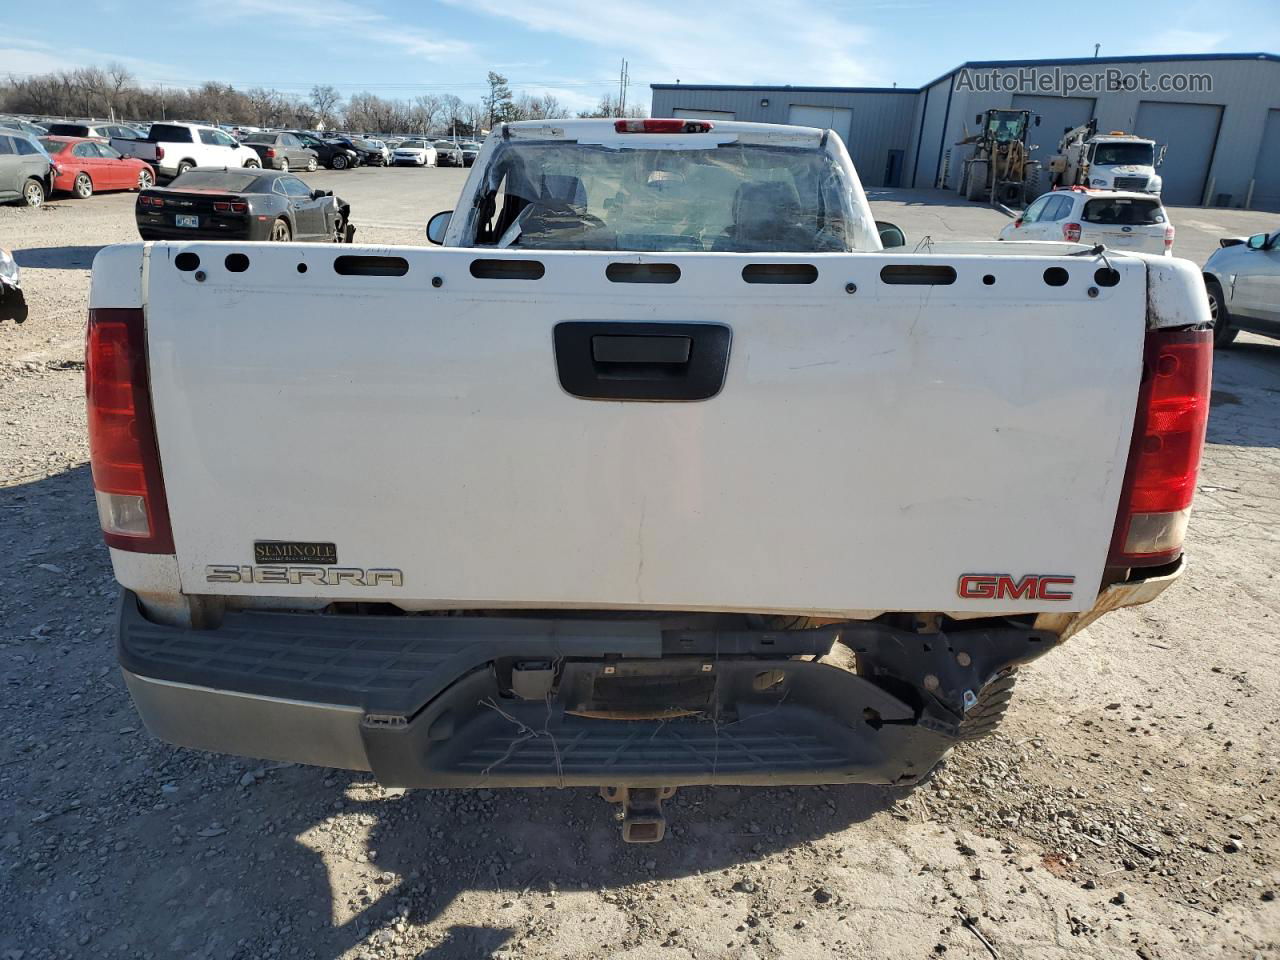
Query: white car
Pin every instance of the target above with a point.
(416, 152)
(1121, 220)
(174, 148)
(1243, 280)
(380, 145)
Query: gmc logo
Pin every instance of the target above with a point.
(1001, 586)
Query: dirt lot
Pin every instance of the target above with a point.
(1129, 809)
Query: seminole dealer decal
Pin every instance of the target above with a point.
(298, 562)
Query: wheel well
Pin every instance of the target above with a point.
(188, 160)
(1209, 278)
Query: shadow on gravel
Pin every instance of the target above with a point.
(532, 849)
(57, 258)
(1245, 408)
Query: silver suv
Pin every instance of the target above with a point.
(26, 172)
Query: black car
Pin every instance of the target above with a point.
(335, 156)
(365, 151)
(221, 203)
(282, 151)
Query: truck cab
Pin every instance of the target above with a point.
(1111, 161)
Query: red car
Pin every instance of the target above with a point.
(84, 165)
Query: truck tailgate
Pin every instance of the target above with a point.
(872, 442)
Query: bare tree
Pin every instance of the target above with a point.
(609, 107)
(326, 101)
(545, 107)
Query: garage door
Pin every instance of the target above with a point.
(838, 119)
(1266, 177)
(696, 114)
(1057, 115)
(1190, 131)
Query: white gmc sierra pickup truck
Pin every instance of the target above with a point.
(660, 471)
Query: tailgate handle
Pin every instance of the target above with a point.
(640, 350)
(617, 360)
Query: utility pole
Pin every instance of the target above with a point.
(623, 80)
(1096, 48)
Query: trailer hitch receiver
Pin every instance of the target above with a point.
(642, 818)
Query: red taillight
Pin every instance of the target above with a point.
(159, 152)
(1168, 236)
(1164, 458)
(230, 206)
(1071, 232)
(271, 152)
(127, 481)
(663, 126)
(146, 201)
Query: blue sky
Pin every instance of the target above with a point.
(572, 48)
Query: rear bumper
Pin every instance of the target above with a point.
(435, 701)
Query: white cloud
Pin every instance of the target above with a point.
(344, 22)
(1184, 41)
(27, 56)
(763, 42)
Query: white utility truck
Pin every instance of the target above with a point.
(1106, 161)
(660, 471)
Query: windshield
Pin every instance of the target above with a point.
(1124, 210)
(53, 146)
(732, 197)
(1135, 154)
(412, 145)
(1006, 125)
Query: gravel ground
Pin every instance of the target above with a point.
(1128, 808)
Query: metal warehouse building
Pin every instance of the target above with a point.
(1223, 143)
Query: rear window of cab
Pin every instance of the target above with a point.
(1129, 211)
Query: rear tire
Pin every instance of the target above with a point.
(184, 166)
(284, 164)
(977, 187)
(252, 165)
(1224, 331)
(83, 187)
(280, 232)
(985, 716)
(339, 162)
(311, 165)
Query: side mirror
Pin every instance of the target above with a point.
(1160, 155)
(437, 226)
(1017, 223)
(1258, 241)
(890, 235)
(319, 194)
